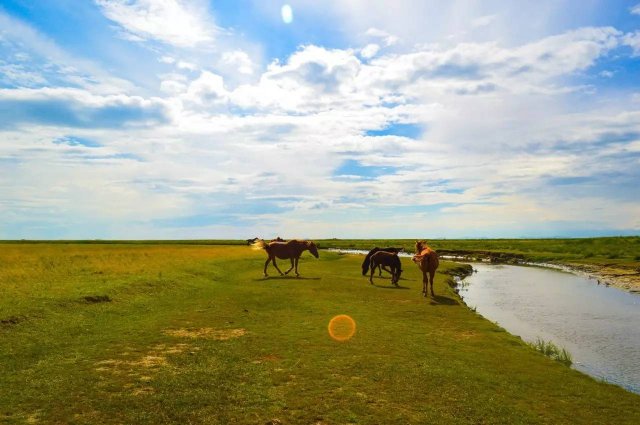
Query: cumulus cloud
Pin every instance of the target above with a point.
(633, 40)
(314, 144)
(240, 60)
(369, 51)
(182, 23)
(78, 108)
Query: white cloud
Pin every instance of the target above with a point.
(187, 66)
(180, 23)
(635, 10)
(239, 60)
(68, 107)
(502, 137)
(633, 40)
(387, 38)
(49, 63)
(369, 51)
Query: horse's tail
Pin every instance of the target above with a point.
(259, 244)
(434, 262)
(367, 261)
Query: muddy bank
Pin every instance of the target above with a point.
(618, 275)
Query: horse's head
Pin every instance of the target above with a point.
(419, 246)
(313, 249)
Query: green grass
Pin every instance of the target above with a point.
(159, 333)
(551, 350)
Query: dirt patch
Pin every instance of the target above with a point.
(466, 335)
(142, 367)
(217, 334)
(95, 299)
(12, 320)
(150, 361)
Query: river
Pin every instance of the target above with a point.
(598, 325)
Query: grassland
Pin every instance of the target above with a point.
(159, 333)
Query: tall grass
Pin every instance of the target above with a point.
(551, 350)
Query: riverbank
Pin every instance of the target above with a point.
(611, 261)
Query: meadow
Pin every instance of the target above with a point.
(187, 333)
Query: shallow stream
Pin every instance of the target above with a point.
(598, 325)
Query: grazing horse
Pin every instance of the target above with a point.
(367, 259)
(384, 258)
(427, 260)
(291, 249)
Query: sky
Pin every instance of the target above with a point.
(183, 119)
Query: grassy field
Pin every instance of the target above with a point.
(159, 333)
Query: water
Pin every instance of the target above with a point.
(598, 325)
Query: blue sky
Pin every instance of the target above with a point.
(162, 119)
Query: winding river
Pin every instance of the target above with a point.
(598, 325)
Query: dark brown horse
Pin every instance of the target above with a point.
(367, 259)
(427, 260)
(390, 259)
(286, 250)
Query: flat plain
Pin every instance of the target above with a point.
(188, 333)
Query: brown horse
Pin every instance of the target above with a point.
(390, 259)
(367, 259)
(427, 260)
(291, 249)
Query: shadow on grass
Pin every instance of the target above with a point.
(286, 278)
(441, 300)
(391, 287)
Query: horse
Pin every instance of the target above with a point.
(250, 241)
(367, 259)
(427, 260)
(291, 249)
(384, 258)
(278, 239)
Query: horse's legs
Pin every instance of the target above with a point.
(296, 262)
(385, 269)
(290, 268)
(379, 269)
(425, 283)
(265, 266)
(431, 275)
(276, 266)
(373, 270)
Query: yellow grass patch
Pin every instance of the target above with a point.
(217, 334)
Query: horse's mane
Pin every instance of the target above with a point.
(259, 244)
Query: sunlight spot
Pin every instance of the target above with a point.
(287, 14)
(342, 327)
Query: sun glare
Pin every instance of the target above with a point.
(342, 327)
(287, 14)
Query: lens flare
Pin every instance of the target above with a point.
(342, 327)
(287, 14)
